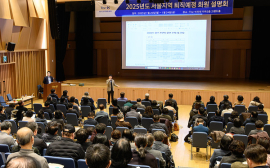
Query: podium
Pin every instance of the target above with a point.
(48, 87)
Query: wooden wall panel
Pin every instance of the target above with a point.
(19, 12)
(4, 9)
(31, 8)
(37, 29)
(7, 74)
(6, 26)
(39, 9)
(111, 27)
(227, 25)
(16, 31)
(238, 35)
(23, 42)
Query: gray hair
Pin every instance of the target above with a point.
(32, 126)
(159, 135)
(120, 116)
(25, 139)
(5, 125)
(150, 139)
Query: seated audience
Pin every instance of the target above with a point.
(139, 104)
(101, 139)
(160, 146)
(226, 109)
(88, 101)
(122, 96)
(71, 110)
(100, 129)
(127, 134)
(148, 113)
(38, 143)
(47, 109)
(115, 136)
(20, 109)
(90, 131)
(72, 101)
(237, 129)
(174, 103)
(63, 101)
(128, 104)
(234, 115)
(22, 162)
(58, 117)
(217, 117)
(255, 102)
(253, 118)
(101, 113)
(240, 99)
(5, 137)
(237, 149)
(65, 92)
(98, 156)
(158, 125)
(29, 116)
(134, 113)
(66, 147)
(115, 111)
(198, 99)
(199, 115)
(53, 94)
(41, 118)
(82, 138)
(259, 111)
(165, 114)
(50, 101)
(141, 156)
(9, 110)
(2, 114)
(195, 110)
(223, 151)
(168, 105)
(121, 121)
(114, 103)
(256, 156)
(155, 153)
(155, 105)
(225, 100)
(265, 143)
(199, 126)
(211, 101)
(121, 154)
(25, 138)
(51, 132)
(146, 98)
(259, 128)
(91, 119)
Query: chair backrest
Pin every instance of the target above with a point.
(132, 120)
(47, 116)
(121, 103)
(86, 126)
(77, 101)
(133, 102)
(240, 108)
(154, 130)
(211, 108)
(2, 160)
(54, 99)
(76, 108)
(62, 108)
(241, 118)
(72, 119)
(9, 97)
(225, 165)
(14, 127)
(102, 101)
(140, 130)
(6, 155)
(85, 110)
(22, 123)
(108, 132)
(249, 127)
(263, 118)
(156, 111)
(141, 110)
(37, 107)
(158, 163)
(210, 114)
(252, 108)
(199, 139)
(82, 163)
(146, 122)
(103, 120)
(229, 126)
(2, 101)
(138, 166)
(42, 126)
(44, 152)
(171, 114)
(146, 103)
(226, 116)
(66, 162)
(121, 129)
(267, 128)
(4, 148)
(110, 111)
(216, 126)
(240, 137)
(52, 107)
(113, 120)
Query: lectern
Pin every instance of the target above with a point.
(48, 87)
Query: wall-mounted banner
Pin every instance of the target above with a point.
(173, 7)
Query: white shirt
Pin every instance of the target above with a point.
(49, 79)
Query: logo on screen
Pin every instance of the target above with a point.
(106, 7)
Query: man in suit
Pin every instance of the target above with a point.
(134, 113)
(174, 104)
(110, 88)
(48, 79)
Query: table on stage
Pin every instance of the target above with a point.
(24, 99)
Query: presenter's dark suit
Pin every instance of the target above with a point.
(46, 80)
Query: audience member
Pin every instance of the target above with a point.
(134, 113)
(146, 98)
(148, 113)
(259, 125)
(121, 122)
(158, 125)
(253, 118)
(127, 134)
(195, 110)
(51, 101)
(22, 162)
(174, 103)
(41, 118)
(217, 117)
(139, 104)
(90, 131)
(115, 136)
(47, 109)
(100, 129)
(199, 126)
(160, 146)
(122, 96)
(114, 103)
(168, 105)
(128, 104)
(141, 156)
(82, 136)
(256, 156)
(58, 117)
(20, 109)
(199, 115)
(259, 111)
(165, 114)
(121, 154)
(71, 110)
(5, 137)
(9, 110)
(155, 153)
(226, 109)
(212, 100)
(29, 116)
(223, 151)
(225, 100)
(155, 105)
(101, 139)
(91, 119)
(198, 99)
(53, 94)
(255, 102)
(234, 115)
(66, 147)
(265, 143)
(101, 113)
(2, 114)
(98, 156)
(115, 111)
(237, 129)
(51, 132)
(65, 92)
(63, 101)
(240, 99)
(38, 143)
(72, 101)
(25, 138)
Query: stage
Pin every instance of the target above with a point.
(184, 90)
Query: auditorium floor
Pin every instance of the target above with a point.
(180, 149)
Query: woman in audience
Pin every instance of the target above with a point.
(63, 101)
(194, 111)
(130, 137)
(115, 135)
(121, 154)
(28, 116)
(58, 117)
(240, 99)
(41, 118)
(255, 102)
(166, 141)
(237, 129)
(90, 131)
(237, 149)
(212, 100)
(65, 92)
(148, 113)
(226, 109)
(101, 139)
(72, 100)
(198, 99)
(87, 102)
(165, 114)
(234, 115)
(223, 151)
(265, 143)
(115, 111)
(154, 105)
(141, 156)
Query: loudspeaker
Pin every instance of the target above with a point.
(11, 46)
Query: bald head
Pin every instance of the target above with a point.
(24, 136)
(21, 162)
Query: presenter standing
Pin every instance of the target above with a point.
(48, 79)
(110, 87)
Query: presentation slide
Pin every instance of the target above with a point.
(166, 43)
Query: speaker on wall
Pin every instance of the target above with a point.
(11, 46)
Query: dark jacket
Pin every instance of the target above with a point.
(90, 121)
(73, 111)
(195, 117)
(149, 159)
(3, 117)
(147, 116)
(133, 113)
(39, 144)
(65, 147)
(50, 138)
(261, 112)
(54, 95)
(44, 121)
(51, 102)
(174, 104)
(8, 111)
(59, 121)
(223, 102)
(232, 158)
(46, 79)
(158, 125)
(123, 124)
(166, 116)
(250, 120)
(217, 118)
(48, 110)
(192, 113)
(235, 130)
(20, 109)
(217, 152)
(160, 146)
(85, 145)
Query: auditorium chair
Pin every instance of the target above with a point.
(77, 101)
(140, 130)
(2, 161)
(249, 127)
(121, 103)
(132, 120)
(210, 114)
(72, 119)
(263, 118)
(121, 129)
(108, 132)
(146, 122)
(4, 148)
(103, 120)
(171, 114)
(6, 155)
(52, 107)
(37, 107)
(62, 108)
(42, 126)
(2, 101)
(211, 108)
(240, 137)
(110, 111)
(66, 162)
(9, 97)
(252, 108)
(47, 116)
(44, 152)
(133, 102)
(158, 163)
(146, 103)
(156, 111)
(141, 110)
(76, 108)
(87, 125)
(14, 127)
(113, 120)
(267, 128)
(215, 126)
(199, 140)
(102, 101)
(39, 87)
(226, 116)
(22, 124)
(82, 163)
(225, 165)
(85, 110)
(239, 108)
(229, 126)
